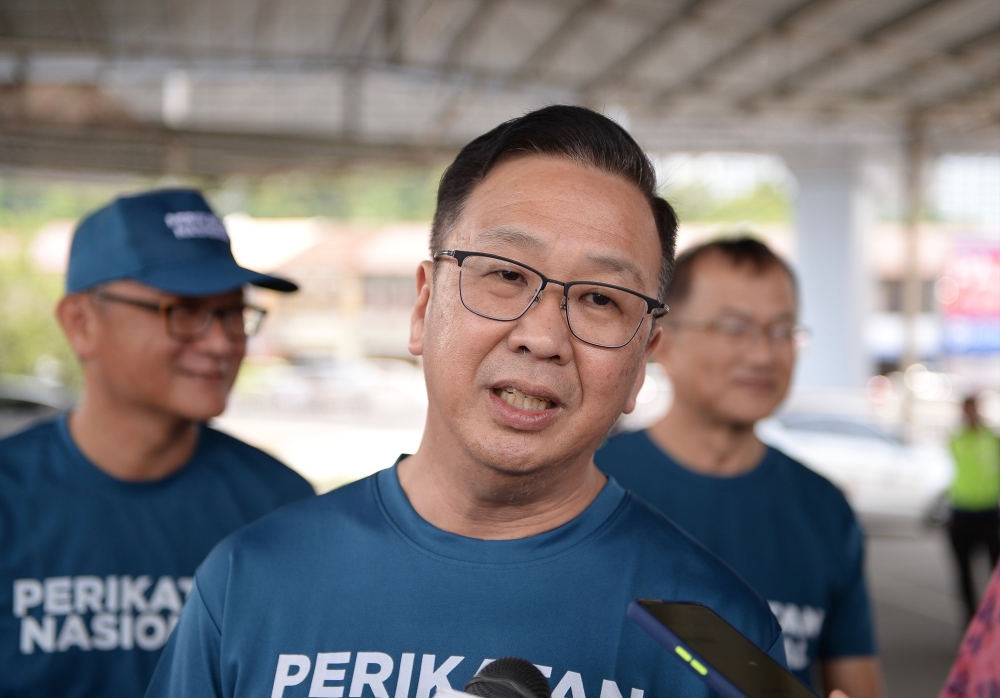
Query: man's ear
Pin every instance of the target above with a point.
(660, 352)
(78, 318)
(655, 337)
(418, 319)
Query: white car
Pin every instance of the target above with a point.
(25, 400)
(885, 480)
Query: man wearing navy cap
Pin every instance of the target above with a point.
(106, 512)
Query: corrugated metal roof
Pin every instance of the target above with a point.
(215, 86)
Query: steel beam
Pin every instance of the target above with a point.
(557, 39)
(397, 38)
(618, 69)
(865, 42)
(88, 21)
(957, 54)
(783, 26)
(471, 29)
(265, 15)
(970, 95)
(352, 25)
(153, 151)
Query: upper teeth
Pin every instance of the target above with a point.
(515, 397)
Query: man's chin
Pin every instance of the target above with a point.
(745, 418)
(511, 457)
(202, 411)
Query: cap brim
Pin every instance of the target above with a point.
(209, 279)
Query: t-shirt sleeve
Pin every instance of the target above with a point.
(848, 627)
(189, 665)
(777, 650)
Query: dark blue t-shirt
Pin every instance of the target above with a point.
(93, 570)
(353, 594)
(783, 528)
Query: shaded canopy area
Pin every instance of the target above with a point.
(211, 87)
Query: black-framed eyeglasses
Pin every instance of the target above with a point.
(597, 313)
(187, 321)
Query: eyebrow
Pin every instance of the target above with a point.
(618, 265)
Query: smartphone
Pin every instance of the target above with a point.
(731, 665)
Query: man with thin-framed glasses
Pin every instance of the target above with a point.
(729, 347)
(106, 512)
(601, 314)
(534, 319)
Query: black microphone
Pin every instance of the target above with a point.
(509, 677)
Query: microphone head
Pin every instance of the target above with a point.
(509, 677)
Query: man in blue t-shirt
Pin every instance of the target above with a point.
(106, 513)
(498, 536)
(729, 348)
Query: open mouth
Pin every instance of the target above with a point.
(513, 396)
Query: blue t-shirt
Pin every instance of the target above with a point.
(93, 570)
(783, 528)
(354, 594)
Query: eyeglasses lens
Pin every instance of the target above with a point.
(602, 315)
(250, 320)
(188, 322)
(497, 289)
(596, 314)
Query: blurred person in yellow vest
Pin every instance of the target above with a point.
(975, 497)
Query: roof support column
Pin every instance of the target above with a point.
(833, 213)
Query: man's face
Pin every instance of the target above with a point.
(730, 378)
(140, 364)
(570, 223)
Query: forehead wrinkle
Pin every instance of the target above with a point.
(510, 235)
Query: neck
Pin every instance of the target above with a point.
(452, 490)
(705, 444)
(131, 443)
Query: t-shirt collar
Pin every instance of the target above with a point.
(759, 472)
(77, 467)
(596, 518)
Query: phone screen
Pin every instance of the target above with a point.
(731, 654)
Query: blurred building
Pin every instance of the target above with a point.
(357, 287)
(958, 329)
(358, 290)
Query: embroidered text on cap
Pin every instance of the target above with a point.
(196, 224)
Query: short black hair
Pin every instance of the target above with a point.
(576, 133)
(738, 251)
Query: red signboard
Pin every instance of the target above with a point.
(970, 285)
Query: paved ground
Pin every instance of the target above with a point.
(917, 612)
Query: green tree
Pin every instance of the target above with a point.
(30, 338)
(767, 203)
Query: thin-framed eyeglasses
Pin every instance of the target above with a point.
(746, 332)
(186, 321)
(503, 289)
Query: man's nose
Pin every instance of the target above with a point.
(542, 330)
(216, 339)
(759, 345)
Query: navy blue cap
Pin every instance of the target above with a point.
(167, 239)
